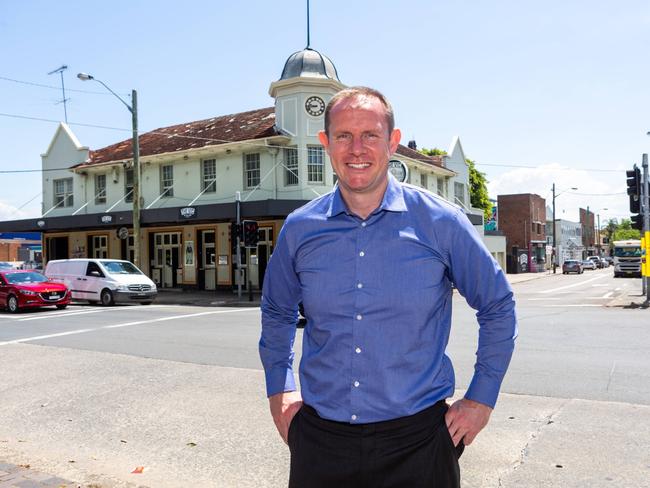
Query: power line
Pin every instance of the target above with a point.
(40, 85)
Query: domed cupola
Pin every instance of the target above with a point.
(309, 63)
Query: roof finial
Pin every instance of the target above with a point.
(308, 25)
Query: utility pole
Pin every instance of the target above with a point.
(136, 179)
(554, 234)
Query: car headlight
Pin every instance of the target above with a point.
(28, 292)
(122, 288)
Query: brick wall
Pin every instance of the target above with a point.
(522, 218)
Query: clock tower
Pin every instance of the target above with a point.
(309, 79)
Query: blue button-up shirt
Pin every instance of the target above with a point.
(377, 295)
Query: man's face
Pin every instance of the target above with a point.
(359, 145)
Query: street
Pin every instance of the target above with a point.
(91, 393)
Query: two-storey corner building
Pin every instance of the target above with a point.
(522, 218)
(190, 175)
(569, 238)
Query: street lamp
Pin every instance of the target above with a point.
(133, 108)
(555, 226)
(600, 251)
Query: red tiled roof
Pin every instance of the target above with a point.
(413, 154)
(255, 124)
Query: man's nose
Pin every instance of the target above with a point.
(357, 146)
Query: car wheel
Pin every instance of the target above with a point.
(12, 304)
(61, 307)
(106, 297)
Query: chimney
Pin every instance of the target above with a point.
(413, 145)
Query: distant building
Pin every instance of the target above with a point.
(522, 219)
(569, 238)
(20, 247)
(589, 237)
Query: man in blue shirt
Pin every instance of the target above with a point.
(373, 263)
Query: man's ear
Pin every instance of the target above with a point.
(324, 140)
(395, 137)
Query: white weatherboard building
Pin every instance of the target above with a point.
(190, 174)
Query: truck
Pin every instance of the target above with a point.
(627, 258)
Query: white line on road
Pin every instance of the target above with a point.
(608, 295)
(69, 313)
(575, 284)
(571, 305)
(126, 324)
(545, 298)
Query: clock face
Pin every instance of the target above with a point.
(398, 169)
(315, 106)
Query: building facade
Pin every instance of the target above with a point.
(522, 219)
(190, 175)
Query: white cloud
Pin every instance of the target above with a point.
(9, 212)
(598, 190)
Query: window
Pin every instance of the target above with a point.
(100, 247)
(128, 185)
(459, 193)
(100, 189)
(315, 164)
(291, 166)
(63, 193)
(167, 181)
(252, 169)
(209, 175)
(424, 181)
(441, 187)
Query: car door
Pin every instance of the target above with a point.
(93, 281)
(3, 291)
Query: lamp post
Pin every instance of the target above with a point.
(555, 226)
(133, 108)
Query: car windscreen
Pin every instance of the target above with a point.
(120, 267)
(627, 252)
(18, 278)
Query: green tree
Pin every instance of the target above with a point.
(624, 231)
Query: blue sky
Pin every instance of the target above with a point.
(539, 92)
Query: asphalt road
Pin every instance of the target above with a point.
(90, 393)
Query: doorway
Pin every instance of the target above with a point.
(57, 248)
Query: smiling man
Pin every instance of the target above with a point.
(373, 263)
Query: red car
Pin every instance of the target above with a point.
(26, 289)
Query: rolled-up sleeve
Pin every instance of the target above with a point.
(478, 277)
(280, 298)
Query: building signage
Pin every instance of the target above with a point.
(123, 233)
(41, 223)
(399, 170)
(188, 212)
(106, 219)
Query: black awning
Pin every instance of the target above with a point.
(218, 212)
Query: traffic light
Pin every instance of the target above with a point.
(634, 189)
(235, 231)
(637, 221)
(250, 233)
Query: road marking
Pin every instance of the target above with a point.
(601, 284)
(68, 313)
(575, 284)
(568, 305)
(126, 324)
(545, 298)
(608, 295)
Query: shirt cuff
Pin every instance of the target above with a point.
(280, 380)
(483, 390)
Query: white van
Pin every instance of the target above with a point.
(103, 280)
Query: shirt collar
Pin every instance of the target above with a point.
(393, 200)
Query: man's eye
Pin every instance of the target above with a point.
(343, 137)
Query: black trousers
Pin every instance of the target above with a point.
(409, 452)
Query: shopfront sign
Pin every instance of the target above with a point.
(106, 219)
(188, 212)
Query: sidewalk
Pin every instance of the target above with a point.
(229, 298)
(12, 476)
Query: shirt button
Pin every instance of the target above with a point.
(358, 350)
(359, 285)
(359, 317)
(354, 417)
(363, 224)
(356, 384)
(362, 254)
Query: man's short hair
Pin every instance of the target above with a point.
(360, 91)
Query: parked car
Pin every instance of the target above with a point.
(21, 289)
(103, 280)
(572, 266)
(597, 261)
(588, 264)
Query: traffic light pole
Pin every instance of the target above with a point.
(238, 250)
(645, 208)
